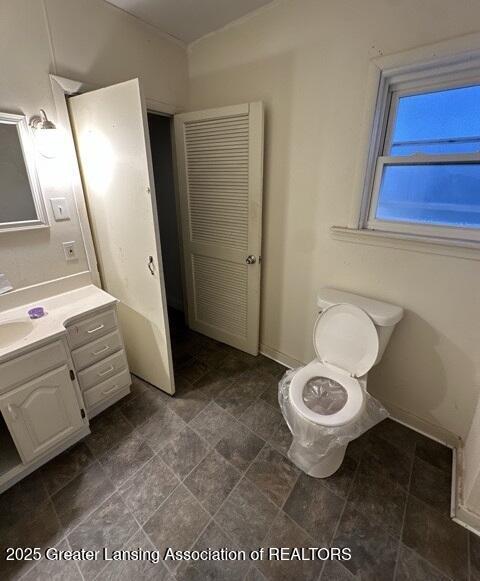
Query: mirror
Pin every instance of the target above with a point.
(21, 201)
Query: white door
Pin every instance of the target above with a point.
(42, 413)
(220, 174)
(111, 136)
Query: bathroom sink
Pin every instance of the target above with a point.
(12, 331)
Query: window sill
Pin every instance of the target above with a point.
(414, 243)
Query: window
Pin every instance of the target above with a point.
(425, 167)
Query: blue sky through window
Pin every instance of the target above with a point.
(441, 122)
(447, 194)
(428, 123)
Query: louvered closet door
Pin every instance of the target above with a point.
(220, 163)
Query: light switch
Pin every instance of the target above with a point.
(69, 250)
(60, 209)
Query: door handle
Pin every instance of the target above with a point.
(251, 259)
(150, 265)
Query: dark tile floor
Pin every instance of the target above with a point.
(208, 468)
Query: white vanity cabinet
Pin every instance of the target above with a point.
(69, 366)
(41, 409)
(42, 413)
(100, 361)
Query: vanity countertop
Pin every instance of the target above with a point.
(60, 309)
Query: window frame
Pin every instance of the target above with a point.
(436, 75)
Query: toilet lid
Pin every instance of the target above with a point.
(346, 337)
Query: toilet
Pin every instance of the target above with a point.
(329, 395)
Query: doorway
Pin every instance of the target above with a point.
(161, 146)
(211, 232)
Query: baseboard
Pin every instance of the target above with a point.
(459, 513)
(403, 417)
(467, 519)
(280, 357)
(420, 425)
(42, 290)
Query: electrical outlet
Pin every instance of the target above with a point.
(60, 209)
(69, 250)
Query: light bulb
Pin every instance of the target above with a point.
(47, 139)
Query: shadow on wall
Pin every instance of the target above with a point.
(228, 87)
(284, 233)
(97, 43)
(421, 366)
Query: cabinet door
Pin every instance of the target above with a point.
(42, 413)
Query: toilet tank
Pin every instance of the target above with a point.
(384, 315)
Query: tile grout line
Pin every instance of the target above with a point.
(436, 509)
(337, 525)
(280, 509)
(386, 532)
(89, 514)
(95, 506)
(117, 491)
(242, 475)
(402, 528)
(469, 565)
(140, 528)
(70, 480)
(209, 447)
(181, 482)
(443, 517)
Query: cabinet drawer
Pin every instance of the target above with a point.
(32, 364)
(97, 350)
(106, 389)
(89, 329)
(103, 370)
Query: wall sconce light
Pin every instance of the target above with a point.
(46, 135)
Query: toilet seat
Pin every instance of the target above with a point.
(346, 344)
(355, 397)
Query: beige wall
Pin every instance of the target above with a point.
(90, 41)
(308, 61)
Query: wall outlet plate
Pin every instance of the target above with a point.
(69, 250)
(60, 209)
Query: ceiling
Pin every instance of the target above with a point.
(188, 20)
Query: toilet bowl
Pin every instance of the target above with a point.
(325, 403)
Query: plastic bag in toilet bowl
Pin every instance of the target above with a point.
(312, 442)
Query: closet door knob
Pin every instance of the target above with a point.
(251, 259)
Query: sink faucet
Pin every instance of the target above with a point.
(5, 284)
